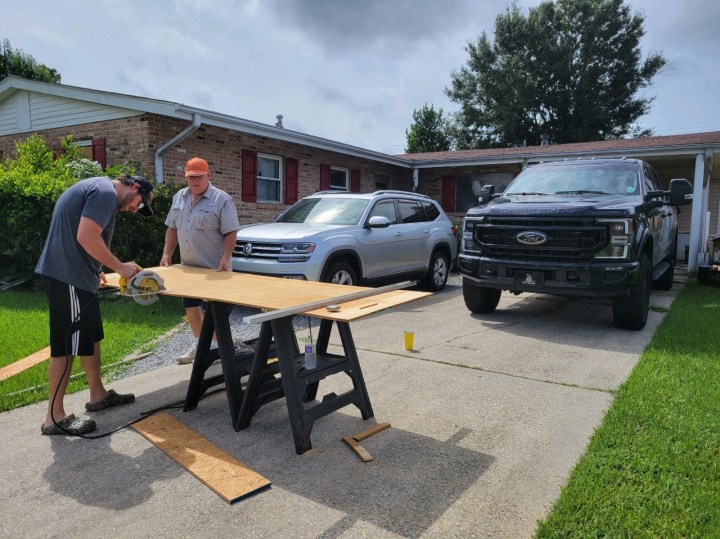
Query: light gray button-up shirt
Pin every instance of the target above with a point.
(201, 227)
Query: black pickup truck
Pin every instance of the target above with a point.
(593, 228)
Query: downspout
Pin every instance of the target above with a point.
(416, 179)
(696, 254)
(197, 121)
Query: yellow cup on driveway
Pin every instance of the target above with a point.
(409, 337)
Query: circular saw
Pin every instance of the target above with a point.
(144, 287)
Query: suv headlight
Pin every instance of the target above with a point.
(621, 232)
(295, 252)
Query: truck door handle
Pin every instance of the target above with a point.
(398, 234)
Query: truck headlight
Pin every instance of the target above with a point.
(468, 244)
(620, 232)
(295, 252)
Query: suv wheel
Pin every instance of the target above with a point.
(437, 275)
(480, 299)
(631, 311)
(340, 273)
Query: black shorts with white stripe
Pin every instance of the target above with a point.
(71, 306)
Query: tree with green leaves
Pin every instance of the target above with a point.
(571, 69)
(16, 62)
(429, 131)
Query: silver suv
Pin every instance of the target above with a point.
(353, 238)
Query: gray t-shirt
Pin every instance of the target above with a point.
(201, 227)
(63, 258)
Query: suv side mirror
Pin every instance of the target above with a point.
(486, 193)
(680, 192)
(378, 221)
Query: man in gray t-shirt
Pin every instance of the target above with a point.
(77, 246)
(202, 221)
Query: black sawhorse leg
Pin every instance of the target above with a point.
(300, 385)
(216, 319)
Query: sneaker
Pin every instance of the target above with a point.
(70, 425)
(189, 357)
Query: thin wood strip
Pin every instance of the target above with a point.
(24, 363)
(373, 430)
(218, 470)
(360, 450)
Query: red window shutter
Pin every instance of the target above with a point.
(291, 181)
(249, 176)
(448, 194)
(355, 181)
(324, 177)
(57, 150)
(98, 152)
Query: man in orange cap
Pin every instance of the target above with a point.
(203, 221)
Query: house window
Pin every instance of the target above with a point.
(269, 178)
(85, 146)
(339, 179)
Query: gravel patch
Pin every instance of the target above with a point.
(179, 342)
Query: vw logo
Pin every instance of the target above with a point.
(247, 249)
(531, 237)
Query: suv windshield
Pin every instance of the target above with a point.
(573, 179)
(327, 211)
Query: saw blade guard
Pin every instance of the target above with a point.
(145, 286)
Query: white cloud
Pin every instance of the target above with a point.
(348, 71)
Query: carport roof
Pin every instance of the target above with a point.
(637, 147)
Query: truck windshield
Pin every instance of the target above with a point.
(584, 178)
(327, 211)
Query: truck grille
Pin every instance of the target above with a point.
(567, 238)
(266, 251)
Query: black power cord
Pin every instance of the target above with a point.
(68, 362)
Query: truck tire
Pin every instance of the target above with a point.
(665, 281)
(437, 274)
(631, 311)
(340, 273)
(480, 299)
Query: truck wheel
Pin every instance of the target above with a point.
(340, 273)
(480, 299)
(437, 274)
(666, 279)
(631, 311)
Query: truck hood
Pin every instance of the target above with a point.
(559, 204)
(285, 231)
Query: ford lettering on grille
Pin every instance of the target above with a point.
(531, 237)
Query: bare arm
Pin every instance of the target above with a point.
(171, 241)
(228, 247)
(89, 236)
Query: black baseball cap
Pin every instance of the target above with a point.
(145, 188)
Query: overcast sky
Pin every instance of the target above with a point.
(348, 70)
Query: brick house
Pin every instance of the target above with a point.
(265, 168)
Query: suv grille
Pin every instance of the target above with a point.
(266, 251)
(568, 238)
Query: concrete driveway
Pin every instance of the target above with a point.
(489, 414)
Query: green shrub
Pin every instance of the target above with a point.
(29, 187)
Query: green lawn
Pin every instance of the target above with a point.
(652, 468)
(24, 330)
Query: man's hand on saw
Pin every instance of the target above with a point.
(128, 269)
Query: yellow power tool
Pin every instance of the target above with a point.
(144, 287)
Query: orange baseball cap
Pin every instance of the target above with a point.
(197, 166)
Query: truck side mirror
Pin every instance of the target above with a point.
(681, 192)
(486, 193)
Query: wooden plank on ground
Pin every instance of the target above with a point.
(24, 363)
(360, 450)
(217, 469)
(373, 430)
